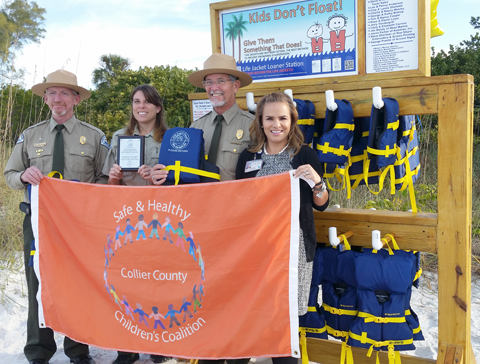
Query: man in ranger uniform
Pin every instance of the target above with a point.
(226, 128)
(77, 151)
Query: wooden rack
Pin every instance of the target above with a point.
(447, 233)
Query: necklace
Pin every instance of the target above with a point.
(265, 149)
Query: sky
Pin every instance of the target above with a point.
(155, 33)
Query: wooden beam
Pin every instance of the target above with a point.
(328, 352)
(455, 150)
(415, 95)
(450, 354)
(413, 231)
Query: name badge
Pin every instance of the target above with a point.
(254, 165)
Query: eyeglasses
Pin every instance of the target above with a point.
(219, 82)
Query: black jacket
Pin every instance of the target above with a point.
(306, 156)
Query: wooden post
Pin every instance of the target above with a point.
(455, 149)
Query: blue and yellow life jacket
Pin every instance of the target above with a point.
(183, 153)
(334, 146)
(384, 320)
(306, 119)
(312, 324)
(382, 138)
(339, 289)
(390, 138)
(407, 165)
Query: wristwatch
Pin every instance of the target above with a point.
(319, 189)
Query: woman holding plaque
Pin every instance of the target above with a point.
(148, 125)
(135, 148)
(276, 147)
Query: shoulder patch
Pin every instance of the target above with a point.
(104, 142)
(20, 139)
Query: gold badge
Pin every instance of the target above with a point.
(239, 134)
(39, 151)
(83, 140)
(39, 145)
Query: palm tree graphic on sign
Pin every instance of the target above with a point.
(231, 34)
(235, 29)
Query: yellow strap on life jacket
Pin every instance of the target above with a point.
(54, 173)
(393, 356)
(339, 311)
(394, 125)
(383, 174)
(178, 168)
(314, 330)
(312, 309)
(350, 127)
(345, 242)
(306, 121)
(418, 274)
(341, 151)
(360, 177)
(303, 346)
(380, 320)
(346, 353)
(407, 180)
(414, 330)
(364, 339)
(387, 152)
(336, 333)
(32, 252)
(342, 175)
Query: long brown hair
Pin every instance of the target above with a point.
(257, 135)
(152, 96)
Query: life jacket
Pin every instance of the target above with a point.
(388, 142)
(384, 320)
(312, 324)
(183, 153)
(358, 155)
(335, 144)
(306, 119)
(339, 289)
(382, 138)
(407, 165)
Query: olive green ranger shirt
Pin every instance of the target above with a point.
(85, 148)
(234, 139)
(132, 178)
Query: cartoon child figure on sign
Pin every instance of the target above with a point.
(128, 232)
(118, 234)
(181, 235)
(168, 228)
(185, 309)
(128, 309)
(140, 226)
(171, 312)
(336, 23)
(141, 314)
(154, 224)
(315, 34)
(157, 315)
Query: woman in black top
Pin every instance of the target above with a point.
(277, 146)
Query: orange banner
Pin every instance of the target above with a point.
(192, 271)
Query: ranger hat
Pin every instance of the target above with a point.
(61, 78)
(219, 63)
